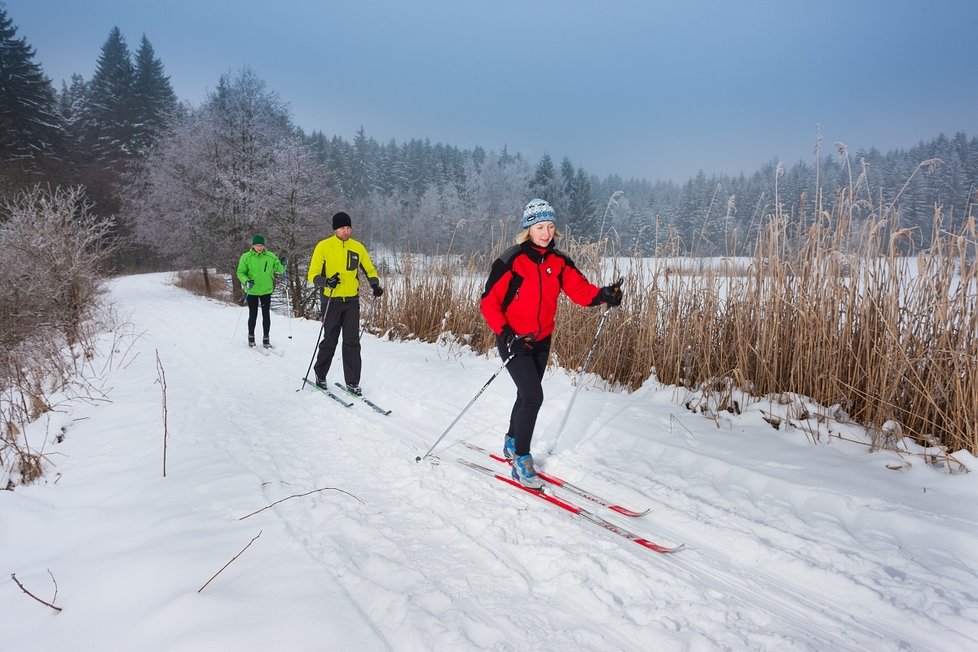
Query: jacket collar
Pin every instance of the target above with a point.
(534, 252)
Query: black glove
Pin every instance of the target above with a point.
(249, 285)
(514, 344)
(611, 294)
(377, 289)
(331, 282)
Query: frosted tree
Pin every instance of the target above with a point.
(498, 189)
(581, 208)
(297, 214)
(363, 166)
(227, 170)
(566, 186)
(51, 251)
(544, 183)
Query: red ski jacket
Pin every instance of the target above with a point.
(523, 286)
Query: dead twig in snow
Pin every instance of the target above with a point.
(299, 496)
(13, 576)
(162, 381)
(229, 563)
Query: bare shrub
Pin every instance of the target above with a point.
(209, 285)
(51, 249)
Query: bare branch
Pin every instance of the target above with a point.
(229, 562)
(13, 576)
(299, 496)
(161, 379)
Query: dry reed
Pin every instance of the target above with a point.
(842, 312)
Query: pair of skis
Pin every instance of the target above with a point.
(339, 399)
(267, 350)
(550, 497)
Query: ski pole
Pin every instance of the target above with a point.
(322, 328)
(242, 302)
(580, 376)
(288, 300)
(363, 325)
(370, 316)
(466, 409)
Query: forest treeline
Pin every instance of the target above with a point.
(237, 163)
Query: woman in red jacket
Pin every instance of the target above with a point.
(519, 305)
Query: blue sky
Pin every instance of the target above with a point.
(638, 88)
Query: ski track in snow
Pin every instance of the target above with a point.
(434, 556)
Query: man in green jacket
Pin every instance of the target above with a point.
(256, 271)
(333, 270)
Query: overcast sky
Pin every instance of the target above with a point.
(640, 88)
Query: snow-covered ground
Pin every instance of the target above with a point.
(790, 545)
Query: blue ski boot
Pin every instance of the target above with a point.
(525, 474)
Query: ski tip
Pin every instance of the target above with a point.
(624, 511)
(666, 550)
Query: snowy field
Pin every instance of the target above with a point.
(790, 545)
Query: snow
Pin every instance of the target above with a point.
(791, 544)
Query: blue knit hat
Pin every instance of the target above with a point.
(537, 211)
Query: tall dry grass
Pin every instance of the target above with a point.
(843, 312)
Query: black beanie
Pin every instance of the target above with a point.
(340, 220)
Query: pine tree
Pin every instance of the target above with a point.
(72, 108)
(110, 102)
(544, 181)
(153, 99)
(581, 208)
(364, 167)
(30, 131)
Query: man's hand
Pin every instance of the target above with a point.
(331, 282)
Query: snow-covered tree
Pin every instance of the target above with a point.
(581, 207)
(52, 248)
(363, 166)
(227, 170)
(544, 183)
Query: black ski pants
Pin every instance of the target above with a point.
(266, 317)
(342, 314)
(527, 372)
